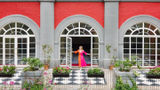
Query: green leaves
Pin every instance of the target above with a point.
(154, 72)
(9, 70)
(47, 50)
(120, 85)
(33, 86)
(96, 71)
(125, 65)
(34, 63)
(108, 48)
(61, 70)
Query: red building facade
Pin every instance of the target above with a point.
(130, 27)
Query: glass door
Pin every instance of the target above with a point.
(22, 50)
(9, 50)
(15, 50)
(94, 51)
(69, 51)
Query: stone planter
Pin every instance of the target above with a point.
(125, 75)
(37, 73)
(30, 76)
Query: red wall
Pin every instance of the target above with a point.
(129, 9)
(29, 9)
(92, 9)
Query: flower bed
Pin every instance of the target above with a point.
(61, 72)
(7, 71)
(154, 73)
(96, 72)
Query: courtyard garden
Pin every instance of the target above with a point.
(124, 76)
(37, 75)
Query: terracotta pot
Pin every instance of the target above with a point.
(46, 67)
(111, 67)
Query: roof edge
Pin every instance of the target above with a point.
(79, 0)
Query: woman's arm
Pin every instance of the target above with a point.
(75, 52)
(85, 53)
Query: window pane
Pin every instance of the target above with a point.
(137, 44)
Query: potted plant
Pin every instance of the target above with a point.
(153, 73)
(124, 67)
(95, 72)
(61, 72)
(112, 63)
(108, 49)
(7, 71)
(47, 51)
(33, 69)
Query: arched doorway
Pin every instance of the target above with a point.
(86, 20)
(72, 37)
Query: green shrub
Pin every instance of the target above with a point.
(94, 71)
(154, 72)
(120, 85)
(61, 70)
(125, 65)
(8, 70)
(34, 64)
(37, 85)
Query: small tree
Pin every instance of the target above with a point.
(113, 59)
(47, 51)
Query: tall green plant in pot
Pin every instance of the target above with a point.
(125, 65)
(113, 59)
(34, 64)
(32, 71)
(47, 51)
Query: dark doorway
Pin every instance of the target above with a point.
(86, 43)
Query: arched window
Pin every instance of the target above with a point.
(17, 41)
(143, 40)
(79, 29)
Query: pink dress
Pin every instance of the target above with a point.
(81, 60)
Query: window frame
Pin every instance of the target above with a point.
(17, 36)
(143, 36)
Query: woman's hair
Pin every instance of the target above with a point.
(81, 46)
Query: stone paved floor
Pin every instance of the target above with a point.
(79, 77)
(142, 80)
(108, 77)
(108, 86)
(149, 87)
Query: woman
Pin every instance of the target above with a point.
(81, 60)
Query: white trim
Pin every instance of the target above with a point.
(16, 37)
(155, 36)
(91, 52)
(79, 35)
